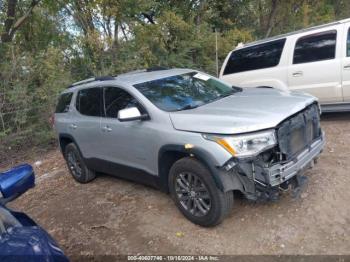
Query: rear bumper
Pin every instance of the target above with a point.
(279, 173)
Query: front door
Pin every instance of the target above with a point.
(131, 143)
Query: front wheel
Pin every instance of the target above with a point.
(195, 193)
(76, 165)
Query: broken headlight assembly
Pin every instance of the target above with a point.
(246, 145)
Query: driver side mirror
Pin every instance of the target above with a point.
(131, 114)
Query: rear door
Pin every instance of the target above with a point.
(85, 122)
(315, 65)
(346, 63)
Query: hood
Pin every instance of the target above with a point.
(252, 109)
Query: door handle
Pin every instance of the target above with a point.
(106, 129)
(347, 67)
(297, 74)
(73, 126)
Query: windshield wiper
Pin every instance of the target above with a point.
(188, 106)
(234, 90)
(227, 94)
(237, 89)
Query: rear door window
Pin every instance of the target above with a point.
(316, 47)
(63, 103)
(116, 99)
(89, 101)
(256, 57)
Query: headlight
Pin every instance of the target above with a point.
(245, 145)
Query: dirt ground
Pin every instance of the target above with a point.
(113, 216)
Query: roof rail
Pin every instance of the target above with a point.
(92, 79)
(156, 68)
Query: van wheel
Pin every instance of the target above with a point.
(196, 195)
(76, 165)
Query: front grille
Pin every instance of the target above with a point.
(299, 131)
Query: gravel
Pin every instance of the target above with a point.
(111, 216)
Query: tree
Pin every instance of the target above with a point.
(14, 22)
(45, 44)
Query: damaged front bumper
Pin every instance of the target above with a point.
(260, 181)
(279, 173)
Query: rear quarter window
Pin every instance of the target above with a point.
(255, 57)
(63, 103)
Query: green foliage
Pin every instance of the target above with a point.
(64, 41)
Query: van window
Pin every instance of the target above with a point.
(316, 47)
(116, 99)
(256, 57)
(348, 44)
(63, 103)
(89, 101)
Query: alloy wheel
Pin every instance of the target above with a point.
(192, 194)
(74, 164)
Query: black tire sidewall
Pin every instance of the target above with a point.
(86, 174)
(218, 204)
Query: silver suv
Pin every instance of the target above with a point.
(190, 134)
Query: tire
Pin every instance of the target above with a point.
(79, 170)
(207, 208)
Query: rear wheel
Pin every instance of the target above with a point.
(196, 195)
(76, 165)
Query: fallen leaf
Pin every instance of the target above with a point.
(179, 234)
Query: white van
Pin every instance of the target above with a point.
(314, 60)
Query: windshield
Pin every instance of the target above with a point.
(186, 91)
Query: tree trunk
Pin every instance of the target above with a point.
(11, 26)
(149, 17)
(116, 33)
(305, 14)
(271, 19)
(10, 14)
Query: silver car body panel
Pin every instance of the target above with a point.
(248, 111)
(138, 143)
